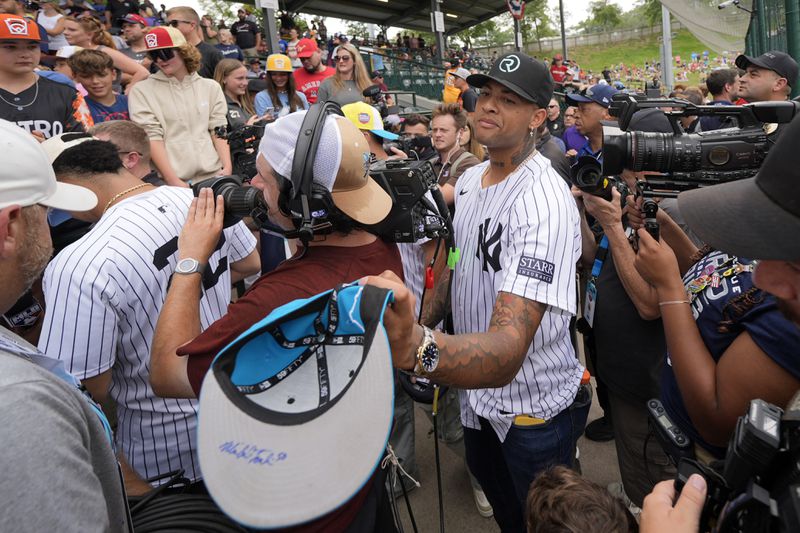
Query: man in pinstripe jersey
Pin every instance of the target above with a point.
(104, 294)
(517, 229)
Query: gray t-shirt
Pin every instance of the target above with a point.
(59, 469)
(346, 95)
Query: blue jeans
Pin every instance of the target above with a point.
(506, 469)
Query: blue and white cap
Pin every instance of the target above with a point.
(599, 94)
(295, 414)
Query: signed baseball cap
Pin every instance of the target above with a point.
(526, 76)
(295, 413)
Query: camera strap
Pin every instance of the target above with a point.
(591, 288)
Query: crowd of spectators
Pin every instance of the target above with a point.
(132, 105)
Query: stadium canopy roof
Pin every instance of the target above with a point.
(408, 14)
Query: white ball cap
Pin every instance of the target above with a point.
(27, 178)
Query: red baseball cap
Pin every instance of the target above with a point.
(18, 28)
(163, 37)
(306, 47)
(132, 18)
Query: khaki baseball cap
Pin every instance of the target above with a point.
(341, 164)
(27, 178)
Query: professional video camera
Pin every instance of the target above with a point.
(373, 92)
(243, 142)
(409, 144)
(684, 161)
(413, 216)
(756, 488)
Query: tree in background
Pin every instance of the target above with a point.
(486, 33)
(537, 23)
(218, 9)
(603, 16)
(357, 29)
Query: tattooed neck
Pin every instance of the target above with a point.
(528, 147)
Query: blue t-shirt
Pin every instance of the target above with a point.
(768, 328)
(101, 113)
(263, 101)
(230, 51)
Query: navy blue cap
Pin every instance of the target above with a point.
(599, 94)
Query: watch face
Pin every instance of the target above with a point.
(187, 265)
(430, 358)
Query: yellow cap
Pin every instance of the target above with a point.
(366, 117)
(279, 63)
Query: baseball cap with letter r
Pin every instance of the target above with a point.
(526, 76)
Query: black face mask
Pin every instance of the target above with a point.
(164, 54)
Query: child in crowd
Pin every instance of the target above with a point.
(94, 70)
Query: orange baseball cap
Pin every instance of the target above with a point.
(18, 28)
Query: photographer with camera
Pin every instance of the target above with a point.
(416, 132)
(768, 77)
(104, 293)
(727, 340)
(181, 354)
(513, 295)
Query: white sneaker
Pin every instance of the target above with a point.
(483, 505)
(618, 491)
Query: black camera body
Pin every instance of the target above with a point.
(413, 217)
(239, 201)
(373, 92)
(243, 143)
(756, 488)
(409, 144)
(682, 160)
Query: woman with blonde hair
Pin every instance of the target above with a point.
(179, 110)
(471, 144)
(89, 34)
(351, 78)
(51, 18)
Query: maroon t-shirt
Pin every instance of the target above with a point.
(322, 268)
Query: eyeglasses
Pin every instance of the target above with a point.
(164, 54)
(343, 59)
(174, 23)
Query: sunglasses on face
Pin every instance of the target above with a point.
(164, 54)
(343, 59)
(174, 23)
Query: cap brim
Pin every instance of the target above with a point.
(479, 80)
(738, 218)
(578, 99)
(326, 459)
(369, 204)
(70, 198)
(388, 135)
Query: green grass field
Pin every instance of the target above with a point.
(594, 58)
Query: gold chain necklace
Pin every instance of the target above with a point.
(120, 195)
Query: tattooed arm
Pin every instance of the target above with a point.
(477, 360)
(436, 302)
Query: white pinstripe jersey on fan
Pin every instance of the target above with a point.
(520, 236)
(103, 296)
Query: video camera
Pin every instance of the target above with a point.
(243, 143)
(756, 488)
(413, 216)
(373, 92)
(409, 144)
(684, 160)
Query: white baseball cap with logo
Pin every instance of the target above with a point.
(27, 177)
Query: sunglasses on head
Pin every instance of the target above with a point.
(164, 54)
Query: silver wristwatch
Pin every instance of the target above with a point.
(189, 266)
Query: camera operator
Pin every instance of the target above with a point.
(627, 338)
(768, 77)
(728, 342)
(513, 295)
(133, 147)
(104, 292)
(181, 354)
(418, 126)
(723, 84)
(58, 462)
(448, 125)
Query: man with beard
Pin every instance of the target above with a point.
(133, 30)
(46, 419)
(311, 75)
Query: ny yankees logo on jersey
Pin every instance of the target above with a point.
(490, 257)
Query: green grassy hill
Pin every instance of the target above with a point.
(636, 52)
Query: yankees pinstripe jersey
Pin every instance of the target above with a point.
(520, 236)
(104, 294)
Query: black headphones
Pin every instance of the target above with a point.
(308, 204)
